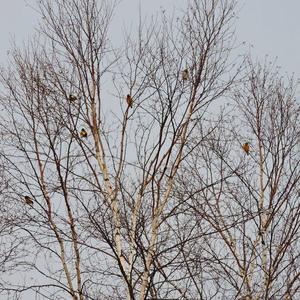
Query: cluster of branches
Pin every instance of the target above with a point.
(122, 167)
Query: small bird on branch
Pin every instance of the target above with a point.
(72, 98)
(185, 74)
(83, 133)
(129, 100)
(28, 200)
(246, 148)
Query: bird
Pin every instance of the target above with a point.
(129, 100)
(72, 98)
(246, 148)
(83, 133)
(185, 74)
(28, 200)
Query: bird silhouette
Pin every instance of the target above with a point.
(129, 100)
(185, 74)
(83, 133)
(28, 200)
(72, 98)
(246, 148)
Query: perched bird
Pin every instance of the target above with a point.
(185, 74)
(72, 98)
(28, 200)
(83, 133)
(246, 148)
(129, 100)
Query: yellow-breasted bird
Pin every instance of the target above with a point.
(28, 200)
(72, 98)
(185, 74)
(129, 100)
(246, 148)
(83, 133)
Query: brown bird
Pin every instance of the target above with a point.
(246, 148)
(28, 200)
(72, 98)
(129, 100)
(185, 74)
(83, 133)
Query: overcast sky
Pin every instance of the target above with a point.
(271, 26)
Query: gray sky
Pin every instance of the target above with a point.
(271, 26)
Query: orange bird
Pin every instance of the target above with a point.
(129, 100)
(246, 148)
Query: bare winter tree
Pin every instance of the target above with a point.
(125, 179)
(245, 229)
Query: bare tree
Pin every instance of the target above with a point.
(246, 204)
(125, 179)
